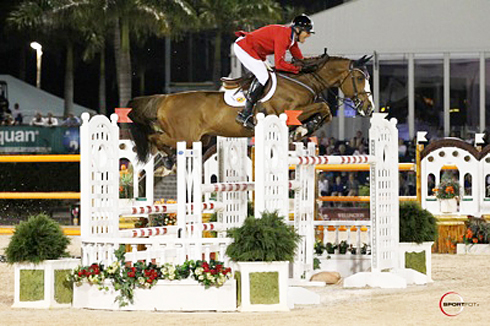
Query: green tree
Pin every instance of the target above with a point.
(140, 19)
(42, 18)
(223, 17)
(90, 21)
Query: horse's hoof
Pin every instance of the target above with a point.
(168, 162)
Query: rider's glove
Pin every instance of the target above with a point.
(308, 69)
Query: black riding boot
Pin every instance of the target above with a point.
(245, 117)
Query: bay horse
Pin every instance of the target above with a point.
(160, 121)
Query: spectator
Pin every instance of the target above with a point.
(342, 150)
(411, 183)
(50, 120)
(8, 120)
(18, 117)
(402, 148)
(352, 185)
(360, 138)
(323, 184)
(71, 121)
(361, 150)
(338, 187)
(4, 107)
(38, 120)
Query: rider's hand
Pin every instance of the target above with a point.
(298, 62)
(308, 69)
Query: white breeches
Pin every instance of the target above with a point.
(257, 67)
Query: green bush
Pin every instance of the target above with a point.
(416, 224)
(263, 239)
(37, 239)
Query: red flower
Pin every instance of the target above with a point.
(475, 240)
(131, 274)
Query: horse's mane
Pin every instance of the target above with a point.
(322, 59)
(319, 61)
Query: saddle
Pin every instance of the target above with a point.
(243, 83)
(237, 82)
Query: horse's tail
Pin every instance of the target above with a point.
(141, 128)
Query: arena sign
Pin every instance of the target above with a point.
(31, 139)
(344, 213)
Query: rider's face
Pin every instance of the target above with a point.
(303, 36)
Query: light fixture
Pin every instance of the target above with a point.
(39, 53)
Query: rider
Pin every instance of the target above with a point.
(252, 48)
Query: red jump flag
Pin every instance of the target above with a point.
(122, 113)
(293, 117)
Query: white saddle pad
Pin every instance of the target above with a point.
(235, 97)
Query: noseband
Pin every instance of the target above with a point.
(358, 103)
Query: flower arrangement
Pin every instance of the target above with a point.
(125, 278)
(164, 219)
(210, 274)
(447, 189)
(477, 231)
(94, 274)
(125, 182)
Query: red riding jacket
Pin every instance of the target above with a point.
(272, 39)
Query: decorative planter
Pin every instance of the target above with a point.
(473, 249)
(43, 285)
(448, 205)
(182, 295)
(417, 257)
(262, 286)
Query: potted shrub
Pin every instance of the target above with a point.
(343, 246)
(262, 249)
(418, 231)
(38, 251)
(476, 239)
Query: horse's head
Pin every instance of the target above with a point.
(355, 85)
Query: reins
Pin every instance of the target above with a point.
(326, 86)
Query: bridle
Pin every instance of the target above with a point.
(358, 103)
(356, 100)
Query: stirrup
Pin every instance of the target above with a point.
(246, 121)
(249, 122)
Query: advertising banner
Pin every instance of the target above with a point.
(41, 140)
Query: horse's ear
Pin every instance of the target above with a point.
(325, 54)
(362, 61)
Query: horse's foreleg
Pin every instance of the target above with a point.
(164, 144)
(317, 113)
(310, 110)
